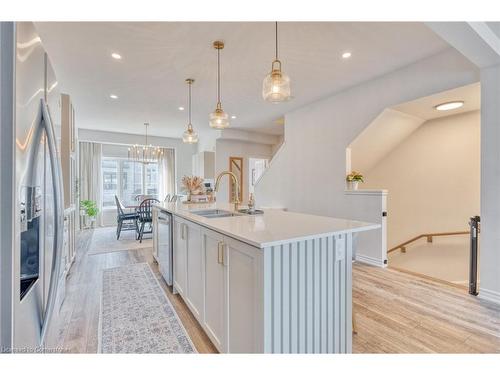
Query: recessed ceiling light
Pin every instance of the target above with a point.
(233, 116)
(346, 55)
(449, 105)
(113, 96)
(181, 108)
(116, 56)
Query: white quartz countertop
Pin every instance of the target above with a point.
(274, 227)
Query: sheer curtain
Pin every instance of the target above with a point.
(90, 174)
(166, 173)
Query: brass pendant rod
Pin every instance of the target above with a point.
(189, 102)
(276, 28)
(218, 75)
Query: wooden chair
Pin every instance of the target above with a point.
(145, 216)
(130, 219)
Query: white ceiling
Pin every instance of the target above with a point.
(395, 124)
(158, 57)
(424, 107)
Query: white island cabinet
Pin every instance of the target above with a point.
(274, 283)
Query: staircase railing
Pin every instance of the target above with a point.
(429, 236)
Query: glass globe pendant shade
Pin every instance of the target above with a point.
(276, 85)
(190, 136)
(219, 119)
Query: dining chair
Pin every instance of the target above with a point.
(167, 198)
(141, 197)
(174, 198)
(145, 216)
(129, 218)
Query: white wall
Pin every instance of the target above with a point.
(226, 148)
(206, 140)
(308, 174)
(433, 178)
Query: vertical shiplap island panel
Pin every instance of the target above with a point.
(308, 296)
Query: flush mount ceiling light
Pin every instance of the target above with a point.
(116, 56)
(346, 55)
(113, 96)
(189, 136)
(233, 116)
(218, 119)
(276, 85)
(449, 105)
(181, 108)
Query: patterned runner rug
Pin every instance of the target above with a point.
(136, 315)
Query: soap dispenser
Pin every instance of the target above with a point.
(251, 203)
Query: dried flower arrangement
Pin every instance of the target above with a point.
(193, 185)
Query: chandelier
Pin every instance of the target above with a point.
(145, 153)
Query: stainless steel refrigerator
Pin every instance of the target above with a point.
(31, 224)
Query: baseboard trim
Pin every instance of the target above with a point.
(489, 295)
(370, 260)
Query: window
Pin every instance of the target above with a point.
(127, 179)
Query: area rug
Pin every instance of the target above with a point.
(104, 241)
(136, 315)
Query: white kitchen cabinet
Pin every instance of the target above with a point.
(180, 256)
(221, 281)
(244, 297)
(215, 282)
(233, 293)
(204, 164)
(194, 296)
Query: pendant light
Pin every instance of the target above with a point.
(189, 136)
(276, 85)
(218, 119)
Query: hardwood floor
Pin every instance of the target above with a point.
(401, 313)
(79, 316)
(395, 312)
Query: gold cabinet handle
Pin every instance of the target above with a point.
(220, 252)
(183, 231)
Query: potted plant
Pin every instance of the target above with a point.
(353, 179)
(90, 209)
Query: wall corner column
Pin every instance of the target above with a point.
(490, 184)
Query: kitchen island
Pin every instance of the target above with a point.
(278, 282)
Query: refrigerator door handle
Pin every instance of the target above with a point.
(58, 221)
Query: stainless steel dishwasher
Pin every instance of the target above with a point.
(165, 262)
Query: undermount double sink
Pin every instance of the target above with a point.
(216, 213)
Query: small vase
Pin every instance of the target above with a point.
(353, 185)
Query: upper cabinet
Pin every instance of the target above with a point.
(204, 164)
(68, 151)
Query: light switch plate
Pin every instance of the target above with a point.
(339, 248)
